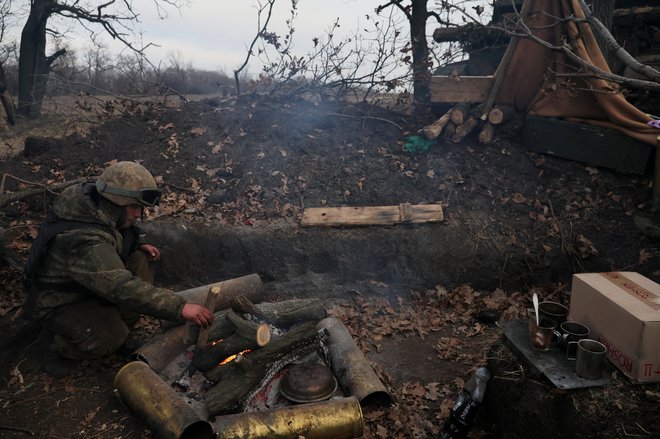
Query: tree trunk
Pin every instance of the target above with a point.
(420, 53)
(33, 65)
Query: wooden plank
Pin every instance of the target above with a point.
(372, 215)
(449, 89)
(589, 144)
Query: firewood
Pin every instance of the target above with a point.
(235, 379)
(280, 314)
(434, 130)
(487, 134)
(249, 286)
(449, 131)
(242, 305)
(499, 114)
(248, 336)
(462, 131)
(459, 114)
(259, 332)
(211, 299)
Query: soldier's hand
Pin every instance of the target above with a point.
(151, 251)
(197, 314)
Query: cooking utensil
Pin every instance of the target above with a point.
(305, 383)
(535, 299)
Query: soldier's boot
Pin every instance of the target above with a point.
(51, 361)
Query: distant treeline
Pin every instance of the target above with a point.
(98, 73)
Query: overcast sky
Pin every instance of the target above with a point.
(215, 34)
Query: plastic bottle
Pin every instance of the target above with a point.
(467, 406)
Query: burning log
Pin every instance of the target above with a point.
(351, 367)
(167, 414)
(336, 419)
(237, 378)
(248, 336)
(280, 314)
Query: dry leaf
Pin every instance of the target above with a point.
(519, 198)
(644, 255)
(198, 131)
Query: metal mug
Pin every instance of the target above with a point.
(570, 331)
(589, 359)
(542, 335)
(553, 310)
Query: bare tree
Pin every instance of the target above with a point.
(96, 64)
(114, 17)
(417, 13)
(362, 63)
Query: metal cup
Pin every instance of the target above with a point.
(590, 358)
(571, 331)
(553, 310)
(541, 335)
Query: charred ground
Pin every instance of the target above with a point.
(515, 221)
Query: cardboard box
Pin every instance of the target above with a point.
(622, 310)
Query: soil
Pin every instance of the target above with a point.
(420, 299)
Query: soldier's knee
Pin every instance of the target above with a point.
(95, 343)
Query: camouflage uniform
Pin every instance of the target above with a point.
(83, 291)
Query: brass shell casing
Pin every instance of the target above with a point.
(166, 413)
(337, 418)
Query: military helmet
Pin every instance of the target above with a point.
(125, 183)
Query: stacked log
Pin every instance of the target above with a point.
(462, 120)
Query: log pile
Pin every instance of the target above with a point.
(462, 120)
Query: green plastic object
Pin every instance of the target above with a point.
(417, 144)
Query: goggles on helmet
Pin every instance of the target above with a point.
(148, 197)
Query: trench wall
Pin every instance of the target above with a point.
(408, 255)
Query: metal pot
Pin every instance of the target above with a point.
(304, 383)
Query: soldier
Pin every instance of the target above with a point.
(88, 272)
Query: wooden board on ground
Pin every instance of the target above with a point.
(372, 215)
(593, 145)
(456, 89)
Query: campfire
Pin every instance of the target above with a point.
(265, 370)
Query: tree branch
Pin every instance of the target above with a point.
(644, 70)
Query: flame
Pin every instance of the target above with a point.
(232, 357)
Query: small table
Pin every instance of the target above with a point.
(551, 363)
